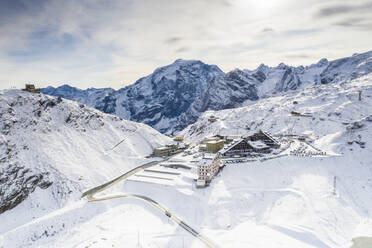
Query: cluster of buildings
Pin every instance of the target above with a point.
(230, 147)
(216, 148)
(216, 143)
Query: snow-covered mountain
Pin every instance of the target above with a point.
(97, 98)
(290, 201)
(284, 78)
(170, 98)
(174, 96)
(339, 123)
(52, 148)
(317, 111)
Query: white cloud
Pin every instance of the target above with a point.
(111, 43)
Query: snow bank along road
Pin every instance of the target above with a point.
(90, 196)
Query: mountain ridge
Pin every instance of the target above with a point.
(42, 139)
(174, 96)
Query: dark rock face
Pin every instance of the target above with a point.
(172, 97)
(168, 93)
(289, 81)
(21, 170)
(16, 183)
(107, 105)
(259, 76)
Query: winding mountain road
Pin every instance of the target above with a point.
(90, 196)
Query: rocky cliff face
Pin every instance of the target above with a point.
(171, 97)
(168, 94)
(18, 177)
(174, 96)
(18, 181)
(56, 147)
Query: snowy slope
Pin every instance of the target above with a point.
(293, 197)
(284, 202)
(175, 95)
(287, 202)
(51, 149)
(329, 108)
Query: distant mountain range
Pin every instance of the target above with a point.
(174, 96)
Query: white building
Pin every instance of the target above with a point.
(208, 168)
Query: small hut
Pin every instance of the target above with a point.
(31, 88)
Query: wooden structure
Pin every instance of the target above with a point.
(31, 88)
(178, 139)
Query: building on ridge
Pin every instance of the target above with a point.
(31, 88)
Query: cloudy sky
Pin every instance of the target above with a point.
(102, 43)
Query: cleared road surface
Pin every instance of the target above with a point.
(90, 196)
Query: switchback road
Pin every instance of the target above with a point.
(90, 196)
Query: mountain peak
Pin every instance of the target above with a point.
(187, 67)
(322, 62)
(175, 95)
(262, 66)
(186, 61)
(282, 66)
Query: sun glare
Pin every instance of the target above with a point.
(259, 7)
